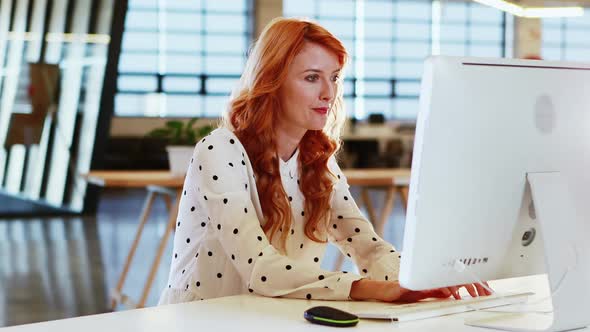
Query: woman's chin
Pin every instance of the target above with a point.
(317, 125)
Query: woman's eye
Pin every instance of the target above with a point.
(335, 78)
(312, 78)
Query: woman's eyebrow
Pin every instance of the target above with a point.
(314, 70)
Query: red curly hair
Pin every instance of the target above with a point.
(253, 110)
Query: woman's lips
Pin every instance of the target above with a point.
(321, 110)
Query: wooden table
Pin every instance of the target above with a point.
(157, 183)
(164, 184)
(134, 179)
(391, 180)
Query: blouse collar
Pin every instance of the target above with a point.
(289, 167)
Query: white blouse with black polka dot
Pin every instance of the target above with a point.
(221, 250)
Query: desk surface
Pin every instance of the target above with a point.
(255, 313)
(138, 179)
(377, 176)
(134, 179)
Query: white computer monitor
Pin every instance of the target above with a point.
(491, 132)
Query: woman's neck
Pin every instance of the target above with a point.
(287, 143)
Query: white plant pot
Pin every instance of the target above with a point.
(179, 158)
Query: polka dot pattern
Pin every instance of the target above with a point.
(229, 250)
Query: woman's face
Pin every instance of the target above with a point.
(307, 94)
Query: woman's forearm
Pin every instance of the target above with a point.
(367, 289)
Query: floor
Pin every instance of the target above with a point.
(61, 267)
(11, 205)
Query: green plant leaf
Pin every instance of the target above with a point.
(190, 124)
(181, 133)
(174, 124)
(177, 135)
(191, 136)
(159, 133)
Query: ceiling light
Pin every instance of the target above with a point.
(553, 12)
(531, 12)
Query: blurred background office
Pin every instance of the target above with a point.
(88, 85)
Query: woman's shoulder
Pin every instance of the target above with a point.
(218, 155)
(221, 133)
(221, 139)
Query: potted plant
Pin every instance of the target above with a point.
(181, 137)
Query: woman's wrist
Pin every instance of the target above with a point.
(366, 289)
(359, 290)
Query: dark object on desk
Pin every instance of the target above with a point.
(353, 123)
(408, 128)
(366, 154)
(128, 153)
(376, 118)
(330, 316)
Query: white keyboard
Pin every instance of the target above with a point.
(436, 308)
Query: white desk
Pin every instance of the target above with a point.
(254, 313)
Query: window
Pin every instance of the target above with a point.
(566, 38)
(181, 58)
(469, 29)
(388, 41)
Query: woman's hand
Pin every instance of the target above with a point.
(473, 289)
(391, 291)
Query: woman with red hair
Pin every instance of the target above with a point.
(264, 194)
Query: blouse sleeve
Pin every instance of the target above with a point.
(352, 233)
(218, 179)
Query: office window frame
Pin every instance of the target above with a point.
(565, 29)
(401, 99)
(159, 89)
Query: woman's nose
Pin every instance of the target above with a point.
(327, 93)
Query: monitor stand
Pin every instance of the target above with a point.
(567, 262)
